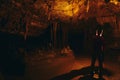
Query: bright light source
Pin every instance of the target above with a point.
(114, 1)
(65, 9)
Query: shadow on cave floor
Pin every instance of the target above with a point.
(83, 73)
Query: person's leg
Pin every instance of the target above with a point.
(93, 60)
(100, 66)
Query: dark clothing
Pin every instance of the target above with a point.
(98, 46)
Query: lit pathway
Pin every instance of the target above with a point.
(42, 67)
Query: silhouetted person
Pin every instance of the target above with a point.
(98, 46)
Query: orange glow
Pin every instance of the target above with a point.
(87, 7)
(114, 1)
(63, 8)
